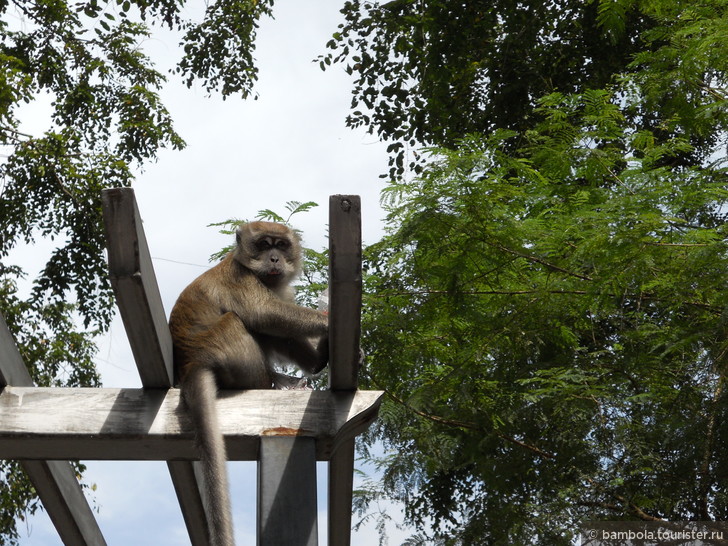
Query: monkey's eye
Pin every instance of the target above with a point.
(263, 245)
(282, 244)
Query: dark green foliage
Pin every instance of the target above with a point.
(551, 331)
(17, 498)
(229, 31)
(548, 310)
(431, 72)
(553, 343)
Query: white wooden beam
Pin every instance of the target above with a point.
(287, 508)
(140, 303)
(149, 424)
(187, 486)
(135, 285)
(345, 285)
(54, 481)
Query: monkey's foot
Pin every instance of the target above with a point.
(290, 383)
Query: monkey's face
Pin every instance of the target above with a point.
(271, 251)
(272, 259)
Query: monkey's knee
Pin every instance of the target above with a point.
(245, 364)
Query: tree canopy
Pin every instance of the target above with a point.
(431, 72)
(547, 311)
(551, 332)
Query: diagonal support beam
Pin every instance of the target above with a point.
(54, 481)
(135, 285)
(140, 304)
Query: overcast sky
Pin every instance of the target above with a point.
(241, 156)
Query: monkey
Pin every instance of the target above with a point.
(228, 327)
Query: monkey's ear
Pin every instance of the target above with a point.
(238, 236)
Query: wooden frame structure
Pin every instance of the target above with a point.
(285, 431)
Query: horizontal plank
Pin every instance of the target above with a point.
(150, 424)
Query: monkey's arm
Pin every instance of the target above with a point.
(287, 320)
(264, 313)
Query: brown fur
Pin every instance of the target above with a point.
(227, 326)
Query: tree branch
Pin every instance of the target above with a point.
(643, 295)
(15, 132)
(636, 510)
(461, 424)
(541, 261)
(704, 471)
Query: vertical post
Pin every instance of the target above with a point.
(344, 291)
(344, 354)
(287, 507)
(341, 485)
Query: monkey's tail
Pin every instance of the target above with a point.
(200, 393)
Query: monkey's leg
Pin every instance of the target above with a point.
(236, 356)
(199, 392)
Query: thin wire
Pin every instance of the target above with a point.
(181, 263)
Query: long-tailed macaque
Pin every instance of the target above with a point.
(228, 327)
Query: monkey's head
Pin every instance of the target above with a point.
(271, 251)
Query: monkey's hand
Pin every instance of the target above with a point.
(322, 348)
